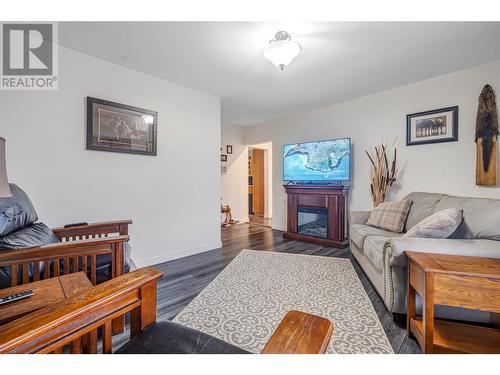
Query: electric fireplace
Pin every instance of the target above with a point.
(317, 214)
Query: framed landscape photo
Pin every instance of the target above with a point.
(223, 158)
(117, 127)
(436, 126)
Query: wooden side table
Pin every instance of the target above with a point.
(452, 280)
(45, 292)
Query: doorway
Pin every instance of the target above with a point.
(260, 184)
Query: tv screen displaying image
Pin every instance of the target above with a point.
(321, 161)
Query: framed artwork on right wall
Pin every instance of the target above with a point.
(436, 126)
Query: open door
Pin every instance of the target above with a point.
(257, 178)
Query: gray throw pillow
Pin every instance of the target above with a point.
(442, 224)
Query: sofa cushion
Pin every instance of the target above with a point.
(424, 205)
(441, 224)
(374, 250)
(16, 212)
(358, 217)
(32, 235)
(359, 232)
(396, 248)
(390, 216)
(481, 216)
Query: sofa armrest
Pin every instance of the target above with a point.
(359, 217)
(481, 248)
(300, 333)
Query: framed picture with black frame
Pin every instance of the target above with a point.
(117, 127)
(436, 126)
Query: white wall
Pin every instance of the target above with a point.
(442, 167)
(173, 198)
(234, 183)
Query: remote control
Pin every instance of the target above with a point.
(75, 225)
(15, 297)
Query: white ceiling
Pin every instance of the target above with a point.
(339, 60)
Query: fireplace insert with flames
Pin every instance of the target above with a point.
(312, 222)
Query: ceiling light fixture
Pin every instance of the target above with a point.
(282, 49)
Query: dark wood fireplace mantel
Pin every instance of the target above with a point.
(333, 198)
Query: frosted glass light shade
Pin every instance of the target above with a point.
(4, 183)
(282, 52)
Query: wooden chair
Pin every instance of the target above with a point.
(74, 322)
(72, 325)
(77, 251)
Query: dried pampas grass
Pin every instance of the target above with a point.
(381, 176)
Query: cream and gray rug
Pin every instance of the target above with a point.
(246, 302)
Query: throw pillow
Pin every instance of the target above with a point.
(390, 216)
(442, 224)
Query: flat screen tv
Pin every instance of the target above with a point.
(321, 162)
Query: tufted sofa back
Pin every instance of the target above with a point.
(481, 215)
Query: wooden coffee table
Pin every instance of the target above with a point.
(45, 292)
(458, 281)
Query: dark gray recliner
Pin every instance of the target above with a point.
(169, 337)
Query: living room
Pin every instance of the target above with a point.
(207, 187)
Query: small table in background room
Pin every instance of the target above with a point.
(458, 281)
(45, 292)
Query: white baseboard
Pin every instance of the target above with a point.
(176, 254)
(239, 220)
(279, 227)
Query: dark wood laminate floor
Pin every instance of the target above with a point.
(254, 219)
(186, 277)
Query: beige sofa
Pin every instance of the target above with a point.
(381, 253)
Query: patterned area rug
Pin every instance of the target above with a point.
(246, 302)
